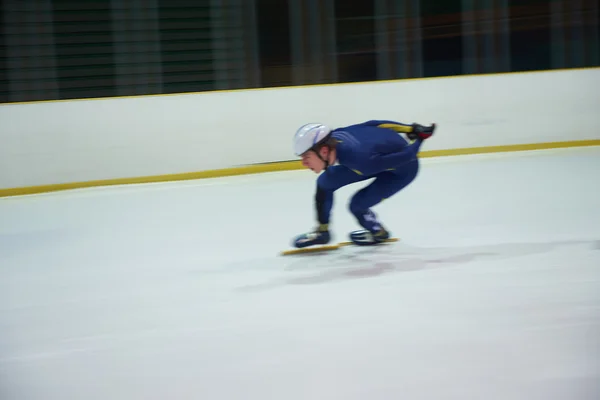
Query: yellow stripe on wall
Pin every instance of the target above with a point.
(277, 166)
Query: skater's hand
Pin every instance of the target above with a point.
(422, 132)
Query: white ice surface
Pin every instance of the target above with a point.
(177, 291)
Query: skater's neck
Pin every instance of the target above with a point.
(332, 157)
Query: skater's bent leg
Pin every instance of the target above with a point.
(384, 186)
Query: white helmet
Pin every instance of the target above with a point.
(309, 136)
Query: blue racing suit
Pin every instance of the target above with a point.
(373, 149)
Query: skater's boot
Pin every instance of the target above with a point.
(373, 231)
(365, 237)
(319, 236)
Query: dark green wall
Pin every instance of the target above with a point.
(65, 49)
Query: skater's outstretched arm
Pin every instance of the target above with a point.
(413, 131)
(393, 125)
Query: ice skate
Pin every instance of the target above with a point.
(318, 237)
(365, 237)
(317, 241)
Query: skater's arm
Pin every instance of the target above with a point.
(323, 203)
(393, 125)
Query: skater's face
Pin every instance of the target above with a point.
(311, 161)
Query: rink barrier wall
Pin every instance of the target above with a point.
(69, 144)
(277, 167)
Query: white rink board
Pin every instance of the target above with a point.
(72, 141)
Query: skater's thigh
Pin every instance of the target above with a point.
(337, 176)
(389, 183)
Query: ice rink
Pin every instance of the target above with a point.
(177, 290)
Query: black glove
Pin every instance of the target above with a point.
(421, 132)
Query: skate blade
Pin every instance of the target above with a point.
(390, 240)
(314, 249)
(318, 249)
